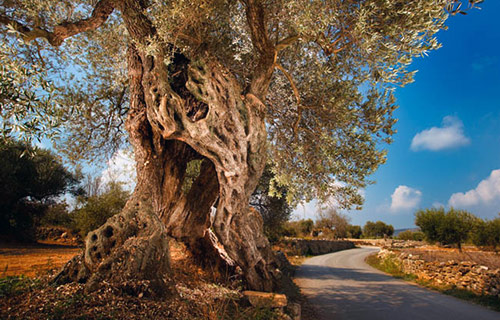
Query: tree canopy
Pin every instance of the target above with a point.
(30, 180)
(447, 227)
(377, 229)
(331, 70)
(333, 222)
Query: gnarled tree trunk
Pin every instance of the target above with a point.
(186, 111)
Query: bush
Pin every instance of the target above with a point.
(333, 223)
(301, 228)
(274, 209)
(411, 235)
(95, 210)
(57, 215)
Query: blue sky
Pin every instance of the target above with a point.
(447, 147)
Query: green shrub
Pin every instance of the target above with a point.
(270, 201)
(13, 285)
(301, 228)
(57, 215)
(95, 210)
(411, 235)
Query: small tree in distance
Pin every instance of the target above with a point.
(377, 229)
(94, 210)
(411, 235)
(274, 209)
(452, 227)
(333, 222)
(30, 181)
(354, 232)
(487, 233)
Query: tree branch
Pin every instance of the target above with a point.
(286, 42)
(290, 79)
(261, 77)
(100, 14)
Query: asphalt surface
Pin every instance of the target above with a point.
(341, 285)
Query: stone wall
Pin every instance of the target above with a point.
(459, 274)
(388, 243)
(301, 247)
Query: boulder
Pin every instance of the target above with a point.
(259, 299)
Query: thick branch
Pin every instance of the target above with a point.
(138, 24)
(65, 30)
(263, 72)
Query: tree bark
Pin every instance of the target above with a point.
(230, 132)
(186, 111)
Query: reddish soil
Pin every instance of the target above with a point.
(33, 259)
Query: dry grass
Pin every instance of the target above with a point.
(197, 294)
(34, 259)
(431, 253)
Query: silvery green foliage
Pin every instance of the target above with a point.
(77, 91)
(330, 102)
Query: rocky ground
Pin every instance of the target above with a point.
(489, 259)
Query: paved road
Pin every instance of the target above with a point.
(341, 285)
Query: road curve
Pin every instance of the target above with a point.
(341, 285)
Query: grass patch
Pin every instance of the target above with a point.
(391, 266)
(264, 312)
(14, 285)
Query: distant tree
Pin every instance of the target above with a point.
(429, 221)
(452, 227)
(93, 211)
(487, 233)
(30, 180)
(411, 235)
(333, 222)
(377, 229)
(274, 208)
(354, 232)
(57, 214)
(300, 228)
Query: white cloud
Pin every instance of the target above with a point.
(486, 192)
(121, 168)
(449, 135)
(306, 210)
(437, 205)
(405, 198)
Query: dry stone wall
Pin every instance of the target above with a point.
(460, 274)
(301, 247)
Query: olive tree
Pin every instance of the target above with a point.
(226, 83)
(447, 227)
(333, 222)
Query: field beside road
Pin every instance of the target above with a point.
(33, 259)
